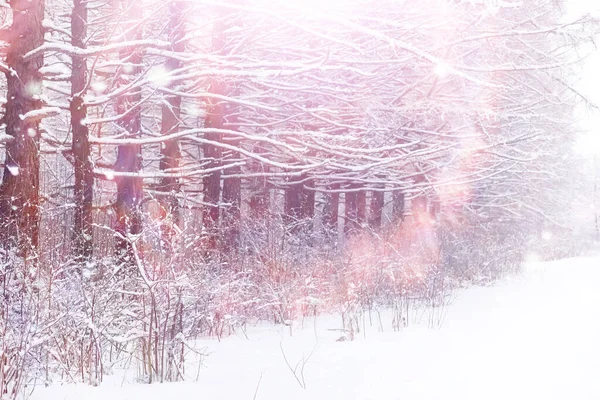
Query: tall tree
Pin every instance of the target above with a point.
(19, 191)
(213, 152)
(84, 170)
(129, 156)
(171, 123)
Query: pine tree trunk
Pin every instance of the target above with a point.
(170, 152)
(19, 191)
(129, 156)
(232, 187)
(84, 172)
(211, 183)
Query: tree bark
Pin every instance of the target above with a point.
(232, 185)
(83, 168)
(293, 201)
(170, 152)
(211, 183)
(19, 191)
(129, 156)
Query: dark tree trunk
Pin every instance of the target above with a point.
(129, 156)
(293, 201)
(356, 209)
(211, 183)
(232, 183)
(84, 171)
(213, 153)
(19, 191)
(299, 204)
(170, 152)
(377, 203)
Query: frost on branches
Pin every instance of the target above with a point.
(175, 169)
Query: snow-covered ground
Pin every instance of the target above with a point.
(535, 336)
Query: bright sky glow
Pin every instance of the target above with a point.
(159, 76)
(588, 144)
(442, 70)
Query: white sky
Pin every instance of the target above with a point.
(590, 83)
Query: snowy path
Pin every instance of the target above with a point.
(536, 336)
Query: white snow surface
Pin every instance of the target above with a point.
(533, 336)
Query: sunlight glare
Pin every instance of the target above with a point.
(588, 144)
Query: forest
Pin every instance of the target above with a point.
(173, 169)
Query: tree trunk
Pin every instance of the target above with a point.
(260, 197)
(293, 201)
(129, 156)
(19, 191)
(356, 209)
(397, 206)
(170, 152)
(299, 204)
(84, 172)
(211, 183)
(232, 186)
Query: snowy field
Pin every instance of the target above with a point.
(535, 336)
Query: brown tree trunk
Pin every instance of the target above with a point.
(232, 185)
(356, 209)
(84, 172)
(211, 183)
(129, 156)
(170, 152)
(213, 153)
(19, 191)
